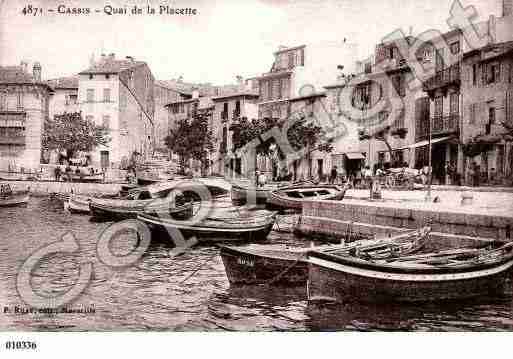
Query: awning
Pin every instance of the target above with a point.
(355, 156)
(426, 142)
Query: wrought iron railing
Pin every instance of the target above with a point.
(12, 140)
(445, 77)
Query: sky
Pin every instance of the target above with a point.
(225, 39)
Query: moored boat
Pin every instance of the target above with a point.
(457, 274)
(10, 198)
(78, 204)
(258, 266)
(278, 265)
(243, 194)
(119, 209)
(294, 196)
(154, 198)
(220, 226)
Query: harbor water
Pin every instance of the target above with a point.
(189, 292)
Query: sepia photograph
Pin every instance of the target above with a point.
(255, 166)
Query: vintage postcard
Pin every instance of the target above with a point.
(259, 165)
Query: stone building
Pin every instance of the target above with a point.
(469, 97)
(65, 96)
(164, 94)
(300, 71)
(487, 88)
(24, 106)
(185, 108)
(227, 110)
(295, 81)
(119, 94)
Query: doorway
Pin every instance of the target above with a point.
(320, 169)
(104, 159)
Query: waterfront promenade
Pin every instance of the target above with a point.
(487, 218)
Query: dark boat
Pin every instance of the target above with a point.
(77, 204)
(293, 197)
(264, 266)
(220, 226)
(243, 194)
(10, 198)
(275, 265)
(144, 181)
(450, 275)
(154, 198)
(119, 209)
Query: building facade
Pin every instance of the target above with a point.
(487, 88)
(65, 96)
(24, 106)
(119, 94)
(164, 94)
(228, 109)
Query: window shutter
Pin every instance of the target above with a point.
(483, 74)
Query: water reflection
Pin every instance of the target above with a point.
(191, 292)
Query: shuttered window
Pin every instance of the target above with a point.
(509, 106)
(454, 103)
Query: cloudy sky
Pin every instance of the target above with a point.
(226, 38)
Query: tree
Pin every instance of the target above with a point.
(382, 134)
(192, 139)
(303, 135)
(72, 133)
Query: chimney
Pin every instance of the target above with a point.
(195, 93)
(36, 70)
(180, 79)
(91, 60)
(507, 8)
(239, 79)
(112, 56)
(130, 58)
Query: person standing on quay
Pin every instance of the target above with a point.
(333, 175)
(477, 174)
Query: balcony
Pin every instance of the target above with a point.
(444, 78)
(441, 125)
(17, 116)
(12, 140)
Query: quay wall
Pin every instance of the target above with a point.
(332, 230)
(332, 217)
(42, 188)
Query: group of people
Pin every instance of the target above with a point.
(66, 173)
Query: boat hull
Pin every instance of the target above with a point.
(278, 198)
(117, 213)
(332, 281)
(248, 268)
(78, 205)
(161, 229)
(15, 199)
(240, 195)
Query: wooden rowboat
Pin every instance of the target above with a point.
(218, 227)
(77, 204)
(243, 194)
(154, 198)
(341, 278)
(294, 196)
(275, 265)
(120, 209)
(10, 198)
